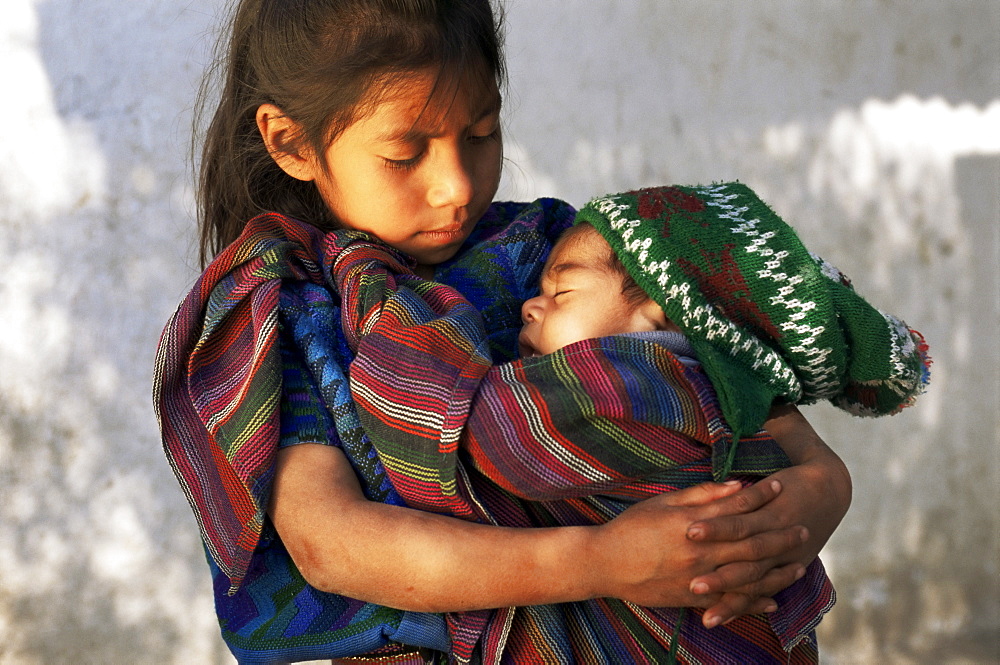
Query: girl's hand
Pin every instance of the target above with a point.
(816, 494)
(742, 545)
(646, 556)
(412, 560)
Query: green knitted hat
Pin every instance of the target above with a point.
(767, 319)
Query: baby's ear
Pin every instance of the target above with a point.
(281, 136)
(653, 314)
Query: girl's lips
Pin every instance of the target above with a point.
(457, 232)
(446, 237)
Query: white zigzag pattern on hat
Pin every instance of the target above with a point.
(703, 318)
(820, 378)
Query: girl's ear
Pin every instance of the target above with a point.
(280, 133)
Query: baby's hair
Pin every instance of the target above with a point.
(633, 293)
(324, 63)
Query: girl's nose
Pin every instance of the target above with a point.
(451, 184)
(531, 310)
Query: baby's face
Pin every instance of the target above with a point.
(581, 298)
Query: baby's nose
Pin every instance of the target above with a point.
(531, 310)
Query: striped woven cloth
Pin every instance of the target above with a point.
(587, 430)
(255, 355)
(620, 417)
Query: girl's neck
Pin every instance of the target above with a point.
(425, 271)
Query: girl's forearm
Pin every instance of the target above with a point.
(819, 482)
(413, 560)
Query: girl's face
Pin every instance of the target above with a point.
(580, 297)
(418, 171)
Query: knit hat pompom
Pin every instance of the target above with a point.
(768, 319)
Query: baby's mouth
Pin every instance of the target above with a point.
(525, 349)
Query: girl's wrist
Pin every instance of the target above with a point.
(571, 558)
(602, 571)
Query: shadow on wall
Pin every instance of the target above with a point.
(100, 555)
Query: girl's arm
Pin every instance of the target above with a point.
(816, 493)
(413, 560)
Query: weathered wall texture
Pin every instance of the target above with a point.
(874, 126)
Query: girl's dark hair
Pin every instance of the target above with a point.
(319, 61)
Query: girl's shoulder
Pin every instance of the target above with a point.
(499, 265)
(543, 218)
(510, 237)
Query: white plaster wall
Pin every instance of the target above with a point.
(873, 126)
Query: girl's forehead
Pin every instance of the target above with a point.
(429, 101)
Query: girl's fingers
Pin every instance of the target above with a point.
(754, 598)
(700, 495)
(731, 606)
(737, 517)
(751, 562)
(748, 579)
(734, 605)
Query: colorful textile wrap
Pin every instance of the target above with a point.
(768, 319)
(266, 303)
(217, 390)
(592, 418)
(255, 357)
(565, 439)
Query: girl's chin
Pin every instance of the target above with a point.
(432, 259)
(431, 256)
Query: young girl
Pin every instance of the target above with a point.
(383, 116)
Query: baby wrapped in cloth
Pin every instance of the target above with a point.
(577, 436)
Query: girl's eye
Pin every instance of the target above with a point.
(487, 129)
(403, 164)
(476, 140)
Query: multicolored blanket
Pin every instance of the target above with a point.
(589, 429)
(256, 354)
(603, 417)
